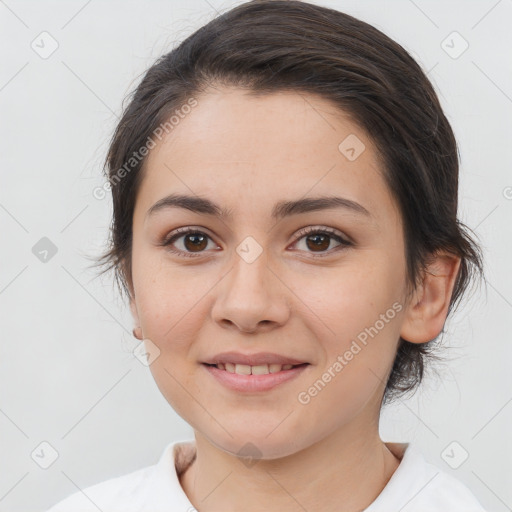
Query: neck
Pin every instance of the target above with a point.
(345, 471)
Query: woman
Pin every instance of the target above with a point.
(285, 228)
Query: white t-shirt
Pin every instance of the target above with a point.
(415, 486)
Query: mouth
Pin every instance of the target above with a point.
(261, 369)
(243, 378)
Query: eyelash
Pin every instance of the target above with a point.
(301, 234)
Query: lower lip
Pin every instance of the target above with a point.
(254, 383)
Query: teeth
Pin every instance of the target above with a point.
(245, 369)
(260, 369)
(274, 368)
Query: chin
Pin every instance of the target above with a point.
(254, 444)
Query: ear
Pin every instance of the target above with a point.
(426, 313)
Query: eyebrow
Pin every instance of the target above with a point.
(281, 209)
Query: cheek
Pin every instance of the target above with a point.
(362, 314)
(348, 298)
(356, 320)
(170, 316)
(169, 298)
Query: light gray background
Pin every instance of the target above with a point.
(67, 374)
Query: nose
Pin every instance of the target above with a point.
(251, 298)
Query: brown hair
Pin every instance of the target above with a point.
(276, 45)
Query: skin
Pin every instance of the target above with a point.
(247, 153)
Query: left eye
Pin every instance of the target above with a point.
(321, 239)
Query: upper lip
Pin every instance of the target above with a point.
(259, 358)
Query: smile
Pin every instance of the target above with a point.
(253, 379)
(261, 369)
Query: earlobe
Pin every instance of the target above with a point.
(426, 313)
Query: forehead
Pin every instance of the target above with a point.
(235, 147)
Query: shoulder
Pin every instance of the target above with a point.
(445, 490)
(153, 488)
(419, 486)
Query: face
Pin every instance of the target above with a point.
(319, 285)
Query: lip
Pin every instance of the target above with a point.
(254, 383)
(252, 359)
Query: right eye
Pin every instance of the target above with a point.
(193, 244)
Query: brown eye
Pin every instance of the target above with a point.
(187, 242)
(318, 241)
(195, 241)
